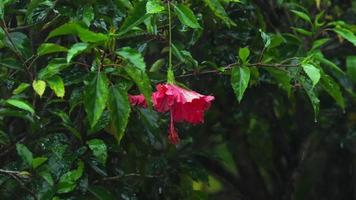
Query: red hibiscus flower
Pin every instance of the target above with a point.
(183, 105)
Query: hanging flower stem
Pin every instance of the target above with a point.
(170, 74)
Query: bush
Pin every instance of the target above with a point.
(281, 125)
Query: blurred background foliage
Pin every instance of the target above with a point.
(282, 126)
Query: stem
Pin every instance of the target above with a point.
(229, 67)
(170, 74)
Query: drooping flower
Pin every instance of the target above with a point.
(183, 105)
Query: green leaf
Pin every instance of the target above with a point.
(101, 192)
(2, 37)
(154, 7)
(329, 65)
(22, 87)
(47, 48)
(282, 78)
(36, 162)
(333, 89)
(120, 109)
(219, 11)
(133, 56)
(240, 77)
(57, 85)
(67, 182)
(186, 16)
(99, 149)
(96, 95)
(347, 34)
(88, 14)
(244, 53)
(24, 153)
(319, 43)
(22, 104)
(124, 3)
(75, 50)
(157, 65)
(39, 86)
(19, 43)
(302, 15)
(312, 72)
(53, 68)
(47, 177)
(4, 138)
(67, 123)
(84, 34)
(3, 3)
(266, 39)
(303, 31)
(351, 67)
(135, 17)
(309, 89)
(142, 81)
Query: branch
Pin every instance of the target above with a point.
(229, 67)
(16, 176)
(113, 178)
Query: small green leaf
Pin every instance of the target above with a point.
(135, 17)
(219, 11)
(99, 149)
(22, 104)
(333, 89)
(96, 95)
(303, 31)
(24, 153)
(19, 42)
(302, 15)
(124, 3)
(22, 87)
(186, 16)
(266, 39)
(47, 48)
(154, 7)
(313, 97)
(142, 81)
(119, 107)
(347, 34)
(240, 77)
(38, 161)
(157, 65)
(47, 177)
(320, 42)
(39, 86)
(351, 67)
(328, 64)
(312, 72)
(88, 14)
(84, 34)
(75, 50)
(57, 85)
(133, 56)
(53, 68)
(244, 53)
(282, 78)
(67, 182)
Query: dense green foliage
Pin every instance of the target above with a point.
(282, 125)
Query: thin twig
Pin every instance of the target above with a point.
(229, 67)
(83, 64)
(112, 178)
(15, 175)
